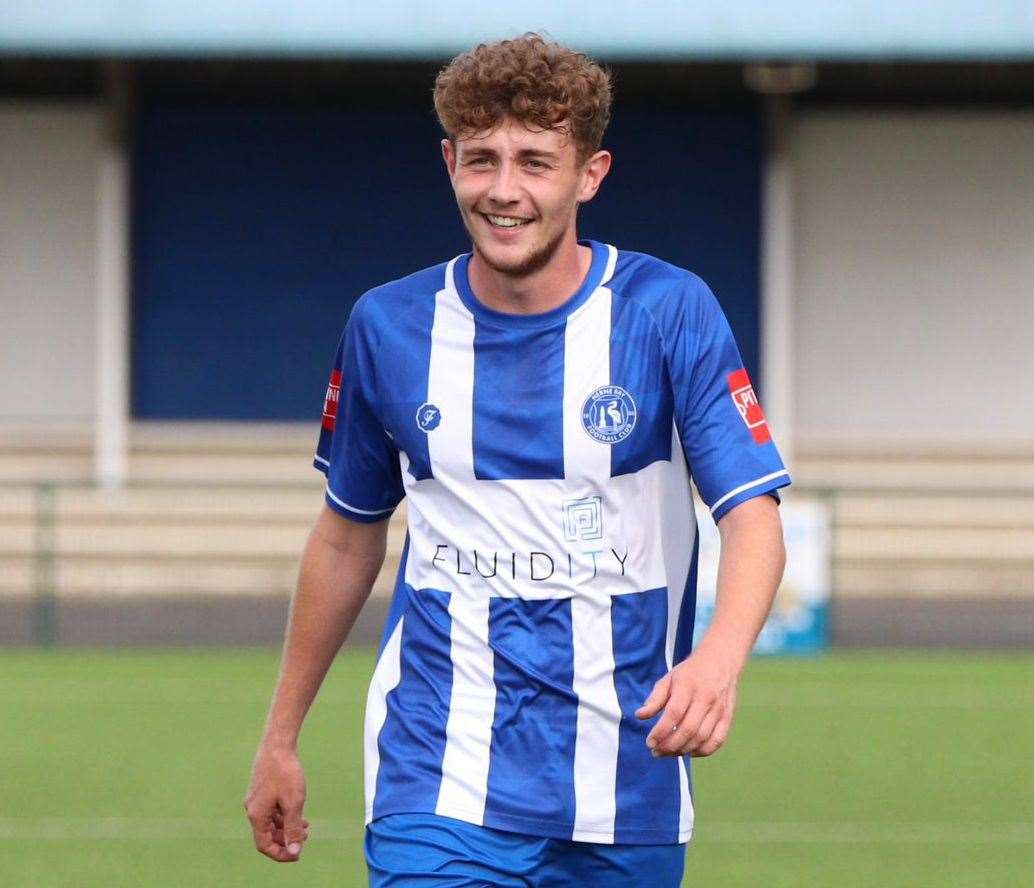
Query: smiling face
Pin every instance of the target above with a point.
(518, 192)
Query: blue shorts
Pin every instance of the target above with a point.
(429, 851)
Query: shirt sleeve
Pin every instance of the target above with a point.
(354, 451)
(724, 434)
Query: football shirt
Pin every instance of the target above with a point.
(549, 571)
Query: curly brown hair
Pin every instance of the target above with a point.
(542, 84)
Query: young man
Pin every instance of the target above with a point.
(541, 401)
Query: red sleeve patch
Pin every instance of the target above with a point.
(330, 401)
(748, 407)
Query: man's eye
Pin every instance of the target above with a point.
(536, 164)
(477, 161)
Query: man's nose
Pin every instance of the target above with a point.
(504, 188)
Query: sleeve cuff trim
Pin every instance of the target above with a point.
(345, 505)
(738, 490)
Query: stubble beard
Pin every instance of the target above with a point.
(534, 261)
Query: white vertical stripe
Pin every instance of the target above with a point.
(468, 731)
(679, 529)
(599, 719)
(450, 385)
(685, 802)
(586, 368)
(587, 466)
(679, 534)
(386, 675)
(612, 261)
(778, 277)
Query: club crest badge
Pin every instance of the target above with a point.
(609, 414)
(427, 417)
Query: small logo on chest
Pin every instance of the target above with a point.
(427, 417)
(609, 414)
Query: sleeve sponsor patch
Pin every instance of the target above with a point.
(747, 406)
(330, 401)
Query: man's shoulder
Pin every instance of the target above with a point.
(666, 290)
(389, 301)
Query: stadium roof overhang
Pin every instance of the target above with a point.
(949, 30)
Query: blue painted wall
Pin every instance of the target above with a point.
(256, 227)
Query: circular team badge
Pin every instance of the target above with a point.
(609, 414)
(427, 417)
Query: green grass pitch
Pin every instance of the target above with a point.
(128, 768)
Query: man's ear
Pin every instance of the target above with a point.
(449, 156)
(593, 174)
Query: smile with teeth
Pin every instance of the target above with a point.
(506, 221)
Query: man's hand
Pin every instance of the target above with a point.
(698, 697)
(274, 804)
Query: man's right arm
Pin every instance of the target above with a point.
(339, 564)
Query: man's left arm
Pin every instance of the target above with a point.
(698, 695)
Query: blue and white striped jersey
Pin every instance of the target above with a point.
(549, 571)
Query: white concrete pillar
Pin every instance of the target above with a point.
(111, 425)
(777, 275)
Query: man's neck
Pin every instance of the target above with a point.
(535, 293)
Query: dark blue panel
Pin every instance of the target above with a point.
(637, 364)
(531, 769)
(685, 186)
(412, 741)
(648, 787)
(518, 423)
(254, 230)
(256, 227)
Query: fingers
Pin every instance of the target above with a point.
(658, 697)
(278, 830)
(262, 828)
(703, 733)
(682, 729)
(691, 721)
(715, 741)
(293, 830)
(658, 740)
(711, 744)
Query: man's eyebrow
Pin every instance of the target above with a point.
(524, 152)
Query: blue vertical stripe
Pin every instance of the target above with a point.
(648, 787)
(518, 402)
(402, 362)
(412, 740)
(536, 713)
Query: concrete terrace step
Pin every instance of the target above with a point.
(922, 510)
(224, 508)
(968, 579)
(129, 578)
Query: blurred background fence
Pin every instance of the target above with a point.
(202, 545)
